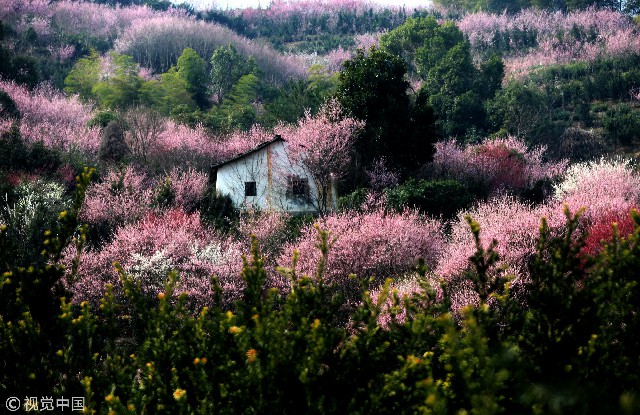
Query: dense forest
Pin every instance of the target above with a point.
(482, 255)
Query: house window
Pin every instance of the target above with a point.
(250, 189)
(298, 188)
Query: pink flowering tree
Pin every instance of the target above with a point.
(604, 188)
(158, 243)
(535, 38)
(120, 197)
(53, 119)
(375, 244)
(323, 145)
(501, 164)
(513, 225)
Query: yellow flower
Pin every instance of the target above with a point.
(196, 361)
(203, 360)
(160, 296)
(235, 330)
(178, 394)
(109, 398)
(251, 355)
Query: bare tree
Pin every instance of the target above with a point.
(144, 127)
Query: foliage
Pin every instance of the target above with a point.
(443, 198)
(120, 84)
(440, 55)
(622, 124)
(310, 26)
(217, 210)
(567, 341)
(372, 88)
(227, 67)
(8, 108)
(193, 69)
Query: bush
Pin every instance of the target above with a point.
(113, 148)
(102, 119)
(217, 210)
(436, 197)
(354, 200)
(622, 124)
(8, 108)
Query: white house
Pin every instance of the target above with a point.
(265, 178)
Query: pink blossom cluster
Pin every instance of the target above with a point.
(603, 188)
(405, 288)
(381, 175)
(607, 190)
(238, 142)
(52, 118)
(502, 163)
(180, 144)
(513, 224)
(284, 8)
(335, 58)
(15, 8)
(605, 33)
(156, 244)
(189, 186)
(374, 243)
(62, 53)
(367, 40)
(322, 143)
(600, 231)
(269, 228)
(121, 197)
(70, 17)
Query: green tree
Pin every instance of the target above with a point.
(193, 69)
(120, 86)
(227, 67)
(84, 76)
(519, 109)
(238, 110)
(168, 93)
(449, 85)
(406, 39)
(373, 88)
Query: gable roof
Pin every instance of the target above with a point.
(247, 153)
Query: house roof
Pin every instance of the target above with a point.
(247, 153)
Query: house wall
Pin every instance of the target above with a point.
(269, 168)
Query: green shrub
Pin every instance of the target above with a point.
(435, 197)
(8, 108)
(354, 200)
(103, 118)
(217, 210)
(622, 124)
